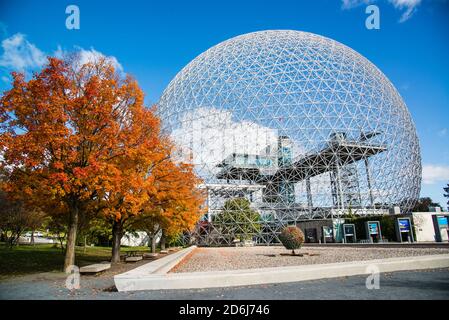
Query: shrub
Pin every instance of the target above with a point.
(292, 238)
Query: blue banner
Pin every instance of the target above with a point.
(404, 225)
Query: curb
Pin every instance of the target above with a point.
(443, 245)
(158, 267)
(132, 281)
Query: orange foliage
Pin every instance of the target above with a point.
(78, 136)
(176, 197)
(64, 131)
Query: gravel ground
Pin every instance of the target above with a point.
(231, 258)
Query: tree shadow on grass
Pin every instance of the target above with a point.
(27, 259)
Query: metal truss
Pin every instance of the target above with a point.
(299, 125)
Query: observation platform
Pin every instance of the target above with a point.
(336, 154)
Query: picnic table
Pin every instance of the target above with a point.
(134, 253)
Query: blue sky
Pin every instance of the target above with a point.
(153, 40)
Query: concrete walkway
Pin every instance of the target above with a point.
(422, 284)
(155, 276)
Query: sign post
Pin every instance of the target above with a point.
(337, 226)
(349, 234)
(441, 225)
(373, 231)
(404, 230)
(327, 234)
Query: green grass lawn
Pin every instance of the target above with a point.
(26, 259)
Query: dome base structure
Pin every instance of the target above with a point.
(285, 126)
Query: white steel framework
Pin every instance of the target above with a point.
(285, 126)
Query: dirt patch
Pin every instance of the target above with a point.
(110, 289)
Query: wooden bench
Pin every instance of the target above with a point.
(95, 268)
(133, 258)
(150, 255)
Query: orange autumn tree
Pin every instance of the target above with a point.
(66, 134)
(179, 199)
(124, 192)
(175, 203)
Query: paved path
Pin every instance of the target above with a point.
(428, 284)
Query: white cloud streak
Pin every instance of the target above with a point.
(350, 4)
(90, 56)
(19, 54)
(408, 7)
(432, 174)
(210, 135)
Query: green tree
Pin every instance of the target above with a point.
(239, 219)
(446, 194)
(423, 205)
(16, 218)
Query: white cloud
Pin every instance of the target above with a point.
(349, 4)
(19, 54)
(410, 7)
(211, 135)
(434, 173)
(90, 56)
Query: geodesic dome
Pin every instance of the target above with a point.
(292, 126)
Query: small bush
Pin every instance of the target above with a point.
(292, 238)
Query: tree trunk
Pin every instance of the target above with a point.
(15, 236)
(61, 242)
(32, 238)
(163, 240)
(10, 240)
(153, 244)
(71, 237)
(117, 233)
